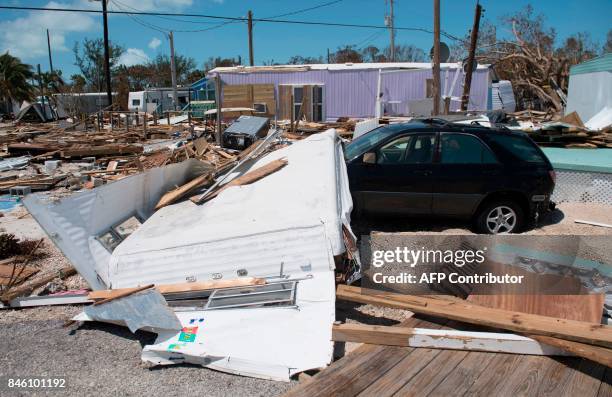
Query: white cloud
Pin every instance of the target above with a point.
(154, 43)
(26, 37)
(151, 5)
(133, 56)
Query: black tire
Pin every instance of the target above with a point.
(505, 216)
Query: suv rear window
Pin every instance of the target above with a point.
(520, 147)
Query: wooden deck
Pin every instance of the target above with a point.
(380, 371)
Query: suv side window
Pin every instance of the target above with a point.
(411, 149)
(464, 149)
(520, 147)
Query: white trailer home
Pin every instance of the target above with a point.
(157, 100)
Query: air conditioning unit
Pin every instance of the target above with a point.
(260, 107)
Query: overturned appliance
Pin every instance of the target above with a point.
(244, 131)
(285, 229)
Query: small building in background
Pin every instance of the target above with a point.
(158, 100)
(590, 87)
(80, 103)
(330, 91)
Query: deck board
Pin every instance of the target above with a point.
(391, 370)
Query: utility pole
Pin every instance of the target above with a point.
(465, 98)
(42, 92)
(250, 25)
(173, 71)
(107, 73)
(391, 23)
(328, 56)
(49, 50)
(436, 59)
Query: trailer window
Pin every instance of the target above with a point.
(135, 102)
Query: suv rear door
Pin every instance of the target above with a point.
(465, 170)
(400, 181)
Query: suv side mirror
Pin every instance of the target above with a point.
(369, 158)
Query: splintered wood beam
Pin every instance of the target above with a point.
(590, 333)
(246, 179)
(176, 194)
(442, 339)
(182, 287)
(597, 354)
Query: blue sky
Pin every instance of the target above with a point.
(23, 33)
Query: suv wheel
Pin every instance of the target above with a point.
(500, 217)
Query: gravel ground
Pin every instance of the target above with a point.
(104, 359)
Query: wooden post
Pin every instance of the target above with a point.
(127, 122)
(436, 59)
(219, 105)
(154, 118)
(465, 98)
(168, 113)
(145, 124)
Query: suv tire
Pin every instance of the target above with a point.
(500, 216)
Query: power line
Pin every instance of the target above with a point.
(237, 19)
(329, 3)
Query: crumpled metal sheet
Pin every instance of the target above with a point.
(145, 310)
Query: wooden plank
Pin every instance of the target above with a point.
(436, 372)
(441, 339)
(394, 379)
(354, 372)
(555, 378)
(16, 271)
(176, 194)
(123, 294)
(524, 323)
(586, 379)
(586, 307)
(183, 287)
(605, 388)
(594, 353)
(500, 367)
(459, 380)
(248, 178)
(31, 286)
(525, 379)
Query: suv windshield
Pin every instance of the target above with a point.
(362, 144)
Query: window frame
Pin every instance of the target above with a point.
(411, 134)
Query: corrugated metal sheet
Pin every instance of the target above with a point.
(249, 125)
(353, 92)
(599, 64)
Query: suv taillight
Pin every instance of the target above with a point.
(553, 175)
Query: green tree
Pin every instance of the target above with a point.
(14, 80)
(161, 73)
(78, 82)
(90, 60)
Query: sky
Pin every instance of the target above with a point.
(23, 33)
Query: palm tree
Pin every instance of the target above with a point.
(14, 80)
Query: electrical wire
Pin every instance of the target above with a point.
(237, 19)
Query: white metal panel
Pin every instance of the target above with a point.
(270, 343)
(283, 217)
(73, 222)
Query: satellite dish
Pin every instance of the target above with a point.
(464, 64)
(444, 52)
